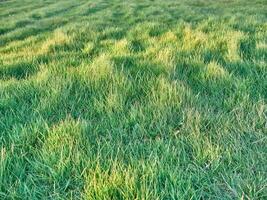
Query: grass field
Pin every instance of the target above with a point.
(133, 99)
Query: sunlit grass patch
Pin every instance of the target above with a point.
(51, 44)
(116, 182)
(214, 70)
(100, 68)
(61, 145)
(233, 45)
(193, 39)
(166, 94)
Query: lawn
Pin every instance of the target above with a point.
(133, 99)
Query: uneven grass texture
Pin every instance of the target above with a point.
(133, 99)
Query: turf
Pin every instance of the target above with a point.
(133, 99)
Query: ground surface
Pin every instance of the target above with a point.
(142, 99)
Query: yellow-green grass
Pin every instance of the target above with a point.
(133, 99)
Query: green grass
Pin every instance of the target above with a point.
(133, 99)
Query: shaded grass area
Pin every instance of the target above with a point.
(133, 100)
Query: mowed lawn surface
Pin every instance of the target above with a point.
(133, 99)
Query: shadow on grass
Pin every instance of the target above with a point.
(95, 8)
(23, 33)
(19, 70)
(136, 66)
